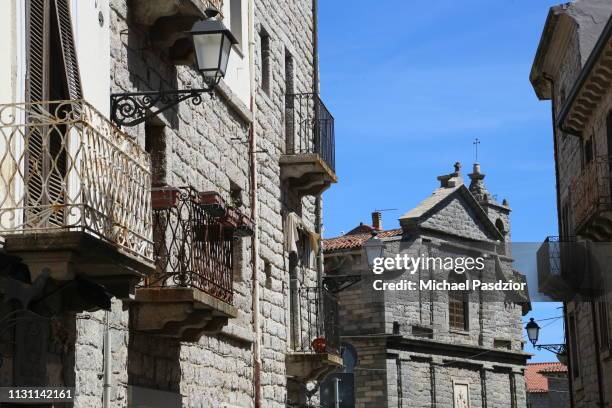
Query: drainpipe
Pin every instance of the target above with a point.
(565, 322)
(254, 212)
(316, 90)
(107, 367)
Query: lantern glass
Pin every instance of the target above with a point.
(374, 248)
(533, 331)
(212, 42)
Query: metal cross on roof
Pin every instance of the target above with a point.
(476, 143)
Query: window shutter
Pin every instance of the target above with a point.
(52, 74)
(36, 90)
(71, 66)
(37, 34)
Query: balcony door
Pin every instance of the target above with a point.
(51, 75)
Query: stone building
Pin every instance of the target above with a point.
(547, 385)
(177, 220)
(572, 69)
(424, 347)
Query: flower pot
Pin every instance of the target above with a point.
(319, 345)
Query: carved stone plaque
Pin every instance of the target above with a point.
(461, 394)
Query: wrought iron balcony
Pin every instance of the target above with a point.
(309, 160)
(74, 192)
(192, 248)
(316, 335)
(550, 279)
(591, 200)
(568, 267)
(194, 236)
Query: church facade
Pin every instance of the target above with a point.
(418, 348)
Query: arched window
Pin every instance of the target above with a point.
(499, 224)
(458, 307)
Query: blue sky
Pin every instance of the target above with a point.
(411, 85)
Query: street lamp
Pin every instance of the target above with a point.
(533, 331)
(374, 248)
(212, 43)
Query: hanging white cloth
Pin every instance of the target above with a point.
(293, 226)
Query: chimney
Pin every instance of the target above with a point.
(377, 220)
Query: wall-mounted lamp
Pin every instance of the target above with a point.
(533, 333)
(374, 248)
(212, 43)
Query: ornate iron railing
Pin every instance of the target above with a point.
(317, 319)
(590, 191)
(193, 248)
(549, 262)
(63, 166)
(310, 127)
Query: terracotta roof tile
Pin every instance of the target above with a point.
(355, 240)
(536, 382)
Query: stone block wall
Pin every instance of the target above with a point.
(570, 163)
(205, 146)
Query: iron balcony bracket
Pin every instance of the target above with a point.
(338, 283)
(553, 348)
(133, 108)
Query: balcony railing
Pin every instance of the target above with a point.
(317, 321)
(193, 245)
(310, 128)
(590, 191)
(64, 167)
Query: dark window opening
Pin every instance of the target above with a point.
(289, 105)
(155, 145)
(499, 224)
(588, 151)
(265, 61)
(573, 345)
(236, 195)
(268, 274)
(565, 223)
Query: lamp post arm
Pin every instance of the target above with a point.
(133, 108)
(553, 348)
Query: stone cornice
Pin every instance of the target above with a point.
(469, 352)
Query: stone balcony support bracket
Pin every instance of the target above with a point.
(182, 313)
(307, 174)
(311, 366)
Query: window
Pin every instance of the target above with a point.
(265, 61)
(588, 151)
(268, 273)
(499, 224)
(565, 222)
(236, 21)
(457, 310)
(155, 145)
(236, 195)
(573, 346)
(289, 104)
